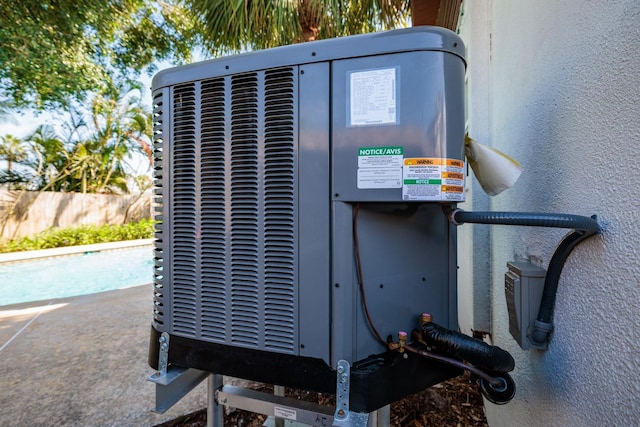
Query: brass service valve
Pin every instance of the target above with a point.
(402, 340)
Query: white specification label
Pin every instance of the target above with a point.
(433, 179)
(373, 97)
(288, 413)
(379, 178)
(380, 167)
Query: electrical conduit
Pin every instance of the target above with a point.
(583, 228)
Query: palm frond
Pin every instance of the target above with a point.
(240, 25)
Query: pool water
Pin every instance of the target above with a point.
(74, 275)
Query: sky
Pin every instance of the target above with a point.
(25, 123)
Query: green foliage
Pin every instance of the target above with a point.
(55, 52)
(52, 52)
(82, 235)
(92, 157)
(12, 150)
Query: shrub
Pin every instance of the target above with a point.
(82, 235)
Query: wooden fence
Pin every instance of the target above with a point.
(23, 213)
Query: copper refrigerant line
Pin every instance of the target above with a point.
(458, 344)
(475, 346)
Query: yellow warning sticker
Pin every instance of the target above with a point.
(433, 179)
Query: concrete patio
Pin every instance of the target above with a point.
(81, 361)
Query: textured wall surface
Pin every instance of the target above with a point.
(564, 89)
(474, 290)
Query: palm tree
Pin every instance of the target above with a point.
(237, 25)
(118, 125)
(48, 158)
(40, 157)
(122, 126)
(12, 151)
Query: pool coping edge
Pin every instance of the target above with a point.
(70, 250)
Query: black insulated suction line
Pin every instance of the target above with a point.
(480, 354)
(584, 227)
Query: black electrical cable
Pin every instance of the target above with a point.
(356, 245)
(542, 327)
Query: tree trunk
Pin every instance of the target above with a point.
(309, 17)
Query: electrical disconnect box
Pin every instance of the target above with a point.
(291, 183)
(523, 286)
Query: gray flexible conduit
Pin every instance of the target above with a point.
(577, 222)
(583, 228)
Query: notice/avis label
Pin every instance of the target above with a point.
(380, 167)
(433, 179)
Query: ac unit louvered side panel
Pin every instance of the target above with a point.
(213, 210)
(158, 254)
(279, 212)
(234, 210)
(245, 212)
(184, 211)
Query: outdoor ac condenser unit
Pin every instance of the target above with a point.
(294, 181)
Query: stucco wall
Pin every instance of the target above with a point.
(474, 295)
(564, 98)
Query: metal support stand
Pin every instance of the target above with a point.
(278, 390)
(215, 412)
(275, 406)
(292, 410)
(380, 418)
(172, 383)
(343, 417)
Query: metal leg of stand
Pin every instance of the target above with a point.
(380, 418)
(215, 412)
(278, 390)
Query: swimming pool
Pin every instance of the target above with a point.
(73, 275)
